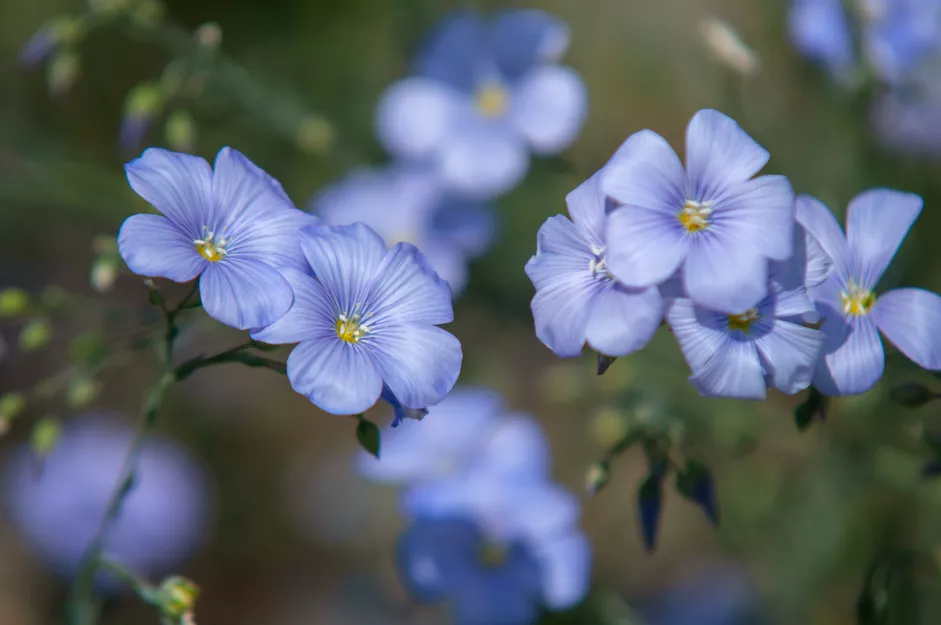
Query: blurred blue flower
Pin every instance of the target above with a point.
(896, 36)
(719, 595)
(820, 30)
(409, 204)
(469, 431)
(234, 227)
(366, 318)
(485, 93)
(58, 503)
(40, 46)
(577, 300)
(853, 358)
(909, 119)
(712, 221)
(497, 550)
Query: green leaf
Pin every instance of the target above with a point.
(912, 395)
(604, 363)
(650, 505)
(154, 296)
(815, 407)
(696, 484)
(367, 433)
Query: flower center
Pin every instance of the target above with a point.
(491, 554)
(210, 247)
(351, 328)
(695, 215)
(744, 321)
(492, 99)
(598, 266)
(856, 299)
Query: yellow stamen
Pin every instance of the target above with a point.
(744, 321)
(492, 99)
(857, 300)
(211, 248)
(695, 215)
(351, 328)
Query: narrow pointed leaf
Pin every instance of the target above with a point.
(367, 433)
(912, 395)
(650, 504)
(604, 363)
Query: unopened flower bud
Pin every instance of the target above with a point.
(45, 435)
(13, 302)
(209, 35)
(314, 134)
(82, 391)
(63, 73)
(104, 273)
(35, 334)
(728, 48)
(178, 596)
(596, 478)
(180, 131)
(11, 405)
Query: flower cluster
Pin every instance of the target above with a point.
(741, 272)
(488, 531)
(364, 315)
(59, 506)
(896, 42)
(485, 93)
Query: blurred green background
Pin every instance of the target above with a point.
(297, 537)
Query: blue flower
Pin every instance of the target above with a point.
(853, 357)
(496, 550)
(408, 204)
(366, 317)
(469, 431)
(909, 120)
(486, 91)
(58, 503)
(712, 221)
(233, 227)
(820, 30)
(577, 299)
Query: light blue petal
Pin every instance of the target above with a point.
(645, 247)
(242, 194)
(911, 319)
(566, 570)
(244, 294)
(153, 246)
(275, 239)
(525, 38)
(733, 371)
(699, 333)
(416, 118)
(823, 227)
(434, 556)
(719, 154)
(345, 260)
(419, 364)
(538, 512)
(790, 353)
(448, 263)
(564, 290)
(407, 290)
(483, 161)
(453, 53)
(759, 214)
(645, 173)
(549, 106)
(623, 320)
(876, 223)
(310, 317)
(853, 358)
(469, 226)
(586, 205)
(505, 595)
(808, 267)
(338, 377)
(820, 30)
(177, 185)
(796, 303)
(445, 442)
(514, 449)
(722, 275)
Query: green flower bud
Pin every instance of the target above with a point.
(82, 391)
(11, 405)
(104, 273)
(314, 134)
(180, 131)
(45, 435)
(35, 334)
(178, 596)
(13, 302)
(63, 72)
